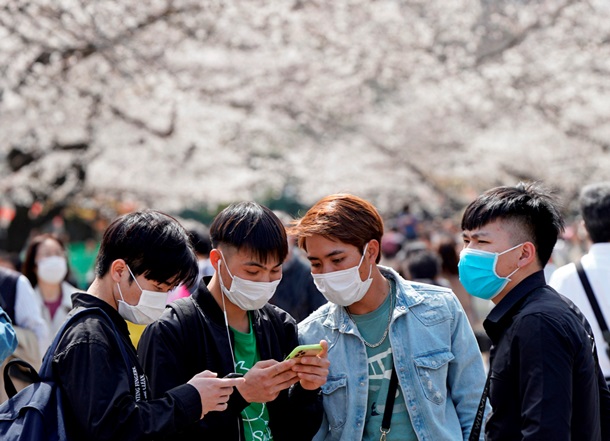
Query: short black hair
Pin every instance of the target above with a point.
(251, 226)
(151, 243)
(531, 207)
(200, 236)
(423, 264)
(595, 209)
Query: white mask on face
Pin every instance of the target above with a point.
(246, 294)
(344, 287)
(149, 307)
(52, 269)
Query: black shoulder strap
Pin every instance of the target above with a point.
(46, 370)
(596, 309)
(187, 314)
(389, 406)
(475, 433)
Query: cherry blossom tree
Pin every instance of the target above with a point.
(182, 103)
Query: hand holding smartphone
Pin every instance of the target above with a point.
(305, 350)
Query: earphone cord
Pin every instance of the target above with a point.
(224, 311)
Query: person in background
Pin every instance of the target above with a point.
(545, 380)
(202, 244)
(423, 266)
(10, 260)
(595, 210)
(199, 235)
(382, 328)
(46, 267)
(8, 338)
(296, 294)
(228, 326)
(106, 397)
(23, 308)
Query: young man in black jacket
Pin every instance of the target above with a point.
(228, 327)
(142, 255)
(545, 380)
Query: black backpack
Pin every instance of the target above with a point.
(36, 412)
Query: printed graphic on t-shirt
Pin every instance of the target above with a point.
(255, 416)
(380, 371)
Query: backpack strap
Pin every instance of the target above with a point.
(594, 304)
(25, 368)
(190, 316)
(46, 368)
(46, 372)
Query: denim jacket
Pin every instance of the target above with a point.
(438, 362)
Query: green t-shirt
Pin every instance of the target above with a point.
(256, 415)
(371, 327)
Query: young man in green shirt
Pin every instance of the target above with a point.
(227, 326)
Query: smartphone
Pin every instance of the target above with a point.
(233, 375)
(305, 350)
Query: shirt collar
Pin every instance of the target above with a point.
(505, 310)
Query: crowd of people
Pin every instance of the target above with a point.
(494, 327)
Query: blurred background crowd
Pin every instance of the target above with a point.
(420, 247)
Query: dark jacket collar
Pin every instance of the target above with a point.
(86, 300)
(206, 301)
(500, 317)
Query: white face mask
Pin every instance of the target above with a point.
(52, 269)
(246, 294)
(149, 307)
(344, 287)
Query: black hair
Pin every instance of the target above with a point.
(423, 264)
(250, 226)
(200, 236)
(151, 243)
(595, 209)
(532, 208)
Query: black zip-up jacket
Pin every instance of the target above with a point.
(104, 399)
(546, 383)
(191, 337)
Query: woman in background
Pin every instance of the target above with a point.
(46, 266)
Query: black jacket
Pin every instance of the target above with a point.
(104, 399)
(546, 383)
(191, 337)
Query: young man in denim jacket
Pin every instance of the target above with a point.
(376, 322)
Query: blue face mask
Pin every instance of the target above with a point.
(478, 275)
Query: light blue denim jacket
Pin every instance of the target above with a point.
(439, 366)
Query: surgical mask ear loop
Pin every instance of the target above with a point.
(498, 256)
(134, 279)
(120, 292)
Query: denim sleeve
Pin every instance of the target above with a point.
(466, 377)
(8, 339)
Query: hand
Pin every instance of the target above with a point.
(313, 371)
(214, 392)
(266, 379)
